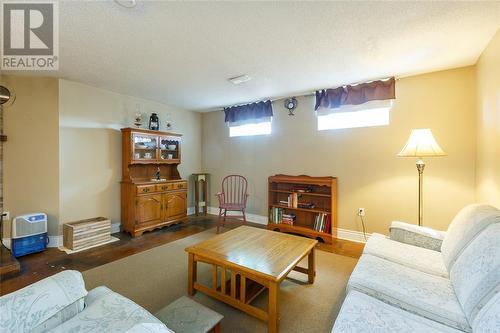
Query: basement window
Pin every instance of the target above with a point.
(362, 116)
(260, 128)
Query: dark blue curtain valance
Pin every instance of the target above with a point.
(248, 112)
(355, 94)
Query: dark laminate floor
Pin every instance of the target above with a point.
(37, 266)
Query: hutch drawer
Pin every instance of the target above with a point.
(144, 189)
(164, 187)
(180, 186)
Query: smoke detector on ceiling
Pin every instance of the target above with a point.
(239, 79)
(127, 3)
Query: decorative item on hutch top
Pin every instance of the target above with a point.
(153, 195)
(154, 122)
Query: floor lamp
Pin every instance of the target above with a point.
(421, 144)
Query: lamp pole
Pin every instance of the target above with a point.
(420, 169)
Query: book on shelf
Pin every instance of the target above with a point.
(277, 216)
(292, 201)
(307, 205)
(322, 222)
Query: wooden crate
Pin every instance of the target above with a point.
(86, 233)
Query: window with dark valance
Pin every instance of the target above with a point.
(361, 105)
(249, 119)
(328, 99)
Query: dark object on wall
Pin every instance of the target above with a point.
(250, 111)
(291, 105)
(154, 122)
(355, 94)
(7, 96)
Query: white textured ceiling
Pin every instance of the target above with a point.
(182, 53)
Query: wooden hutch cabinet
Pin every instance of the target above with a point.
(146, 202)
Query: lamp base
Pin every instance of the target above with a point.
(420, 168)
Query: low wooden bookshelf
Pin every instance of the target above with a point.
(303, 205)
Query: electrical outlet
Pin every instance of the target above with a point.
(361, 212)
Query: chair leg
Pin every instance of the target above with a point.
(224, 219)
(244, 217)
(219, 222)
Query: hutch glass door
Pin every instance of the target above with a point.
(144, 147)
(170, 148)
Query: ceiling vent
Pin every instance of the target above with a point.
(240, 79)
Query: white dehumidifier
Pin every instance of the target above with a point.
(29, 234)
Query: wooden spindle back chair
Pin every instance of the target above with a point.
(233, 197)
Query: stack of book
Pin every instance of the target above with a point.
(322, 222)
(304, 189)
(288, 218)
(308, 205)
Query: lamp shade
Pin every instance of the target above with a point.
(421, 143)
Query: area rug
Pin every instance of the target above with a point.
(156, 277)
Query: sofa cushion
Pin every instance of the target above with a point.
(363, 313)
(476, 273)
(416, 235)
(424, 260)
(44, 304)
(466, 225)
(421, 293)
(109, 312)
(488, 318)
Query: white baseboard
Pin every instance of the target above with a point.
(259, 219)
(55, 241)
(116, 227)
(350, 235)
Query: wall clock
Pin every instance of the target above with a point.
(291, 105)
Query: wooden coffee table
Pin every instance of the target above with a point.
(245, 261)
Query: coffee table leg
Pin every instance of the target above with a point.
(311, 266)
(273, 307)
(192, 265)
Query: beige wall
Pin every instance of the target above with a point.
(90, 147)
(488, 124)
(364, 159)
(31, 166)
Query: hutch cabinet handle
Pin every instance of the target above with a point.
(164, 188)
(145, 189)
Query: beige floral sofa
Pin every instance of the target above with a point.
(61, 303)
(422, 280)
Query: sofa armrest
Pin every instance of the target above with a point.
(415, 235)
(38, 307)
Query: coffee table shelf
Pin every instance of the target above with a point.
(252, 290)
